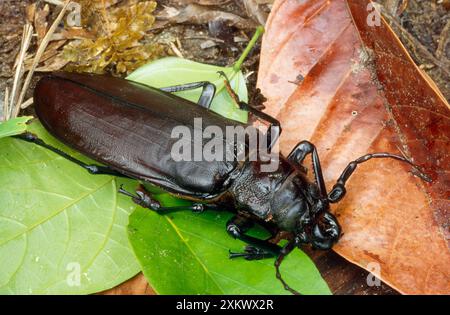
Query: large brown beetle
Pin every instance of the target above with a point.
(127, 127)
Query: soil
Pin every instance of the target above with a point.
(425, 21)
(428, 37)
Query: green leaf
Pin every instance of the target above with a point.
(187, 253)
(175, 71)
(56, 220)
(14, 126)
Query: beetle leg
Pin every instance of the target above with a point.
(144, 199)
(339, 191)
(299, 153)
(91, 168)
(256, 248)
(274, 130)
(207, 96)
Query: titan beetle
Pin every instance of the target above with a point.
(127, 127)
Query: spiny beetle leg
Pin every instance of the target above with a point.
(274, 130)
(299, 153)
(257, 248)
(91, 168)
(252, 253)
(144, 199)
(207, 96)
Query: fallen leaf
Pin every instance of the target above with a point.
(137, 285)
(203, 2)
(30, 12)
(55, 63)
(40, 22)
(51, 52)
(255, 11)
(362, 93)
(197, 14)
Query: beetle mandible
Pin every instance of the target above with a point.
(127, 126)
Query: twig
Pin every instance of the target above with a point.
(55, 2)
(37, 57)
(443, 41)
(5, 105)
(205, 38)
(26, 40)
(396, 7)
(176, 50)
(27, 103)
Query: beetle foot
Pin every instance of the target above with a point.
(244, 106)
(251, 253)
(198, 208)
(142, 198)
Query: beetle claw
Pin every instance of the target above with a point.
(198, 208)
(251, 253)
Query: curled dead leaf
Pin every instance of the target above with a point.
(197, 14)
(362, 93)
(255, 11)
(40, 22)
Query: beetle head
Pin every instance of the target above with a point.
(318, 226)
(306, 213)
(322, 233)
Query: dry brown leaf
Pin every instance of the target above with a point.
(51, 51)
(55, 63)
(40, 22)
(197, 14)
(352, 89)
(30, 12)
(76, 33)
(203, 2)
(135, 286)
(255, 11)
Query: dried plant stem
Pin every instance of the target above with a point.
(443, 41)
(176, 50)
(5, 106)
(26, 40)
(55, 2)
(27, 103)
(38, 56)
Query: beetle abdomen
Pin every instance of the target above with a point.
(128, 126)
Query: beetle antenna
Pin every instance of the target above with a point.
(286, 250)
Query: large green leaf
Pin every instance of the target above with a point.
(174, 71)
(56, 220)
(14, 126)
(187, 253)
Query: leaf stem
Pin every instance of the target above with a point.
(259, 31)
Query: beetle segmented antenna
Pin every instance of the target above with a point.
(286, 250)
